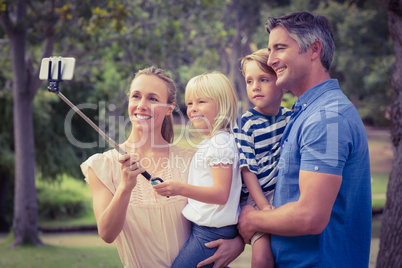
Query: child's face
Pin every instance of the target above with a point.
(202, 112)
(262, 90)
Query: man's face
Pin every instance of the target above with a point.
(291, 67)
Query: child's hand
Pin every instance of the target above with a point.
(268, 207)
(168, 188)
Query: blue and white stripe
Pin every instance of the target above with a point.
(258, 138)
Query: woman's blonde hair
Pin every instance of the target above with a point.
(216, 86)
(261, 57)
(167, 124)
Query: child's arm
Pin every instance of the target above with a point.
(216, 194)
(254, 188)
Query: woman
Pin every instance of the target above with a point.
(149, 229)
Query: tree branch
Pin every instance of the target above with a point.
(6, 22)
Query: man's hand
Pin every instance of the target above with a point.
(244, 225)
(228, 251)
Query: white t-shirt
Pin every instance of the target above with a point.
(220, 149)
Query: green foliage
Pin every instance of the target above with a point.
(288, 100)
(59, 204)
(67, 199)
(111, 40)
(363, 58)
(50, 138)
(6, 133)
(168, 35)
(7, 161)
(84, 219)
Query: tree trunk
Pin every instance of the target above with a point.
(25, 222)
(4, 189)
(390, 254)
(245, 17)
(235, 75)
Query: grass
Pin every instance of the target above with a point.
(375, 229)
(59, 256)
(62, 251)
(86, 219)
(379, 183)
(381, 155)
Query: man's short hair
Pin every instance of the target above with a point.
(305, 28)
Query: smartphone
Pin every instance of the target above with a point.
(67, 68)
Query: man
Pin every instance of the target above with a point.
(322, 215)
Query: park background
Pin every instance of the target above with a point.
(110, 41)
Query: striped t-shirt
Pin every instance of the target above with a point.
(258, 138)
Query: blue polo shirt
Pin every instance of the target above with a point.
(325, 134)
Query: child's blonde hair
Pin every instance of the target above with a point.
(216, 86)
(261, 57)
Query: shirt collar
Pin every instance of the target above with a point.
(270, 118)
(313, 93)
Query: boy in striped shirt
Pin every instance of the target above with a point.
(258, 135)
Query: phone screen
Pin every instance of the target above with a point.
(67, 68)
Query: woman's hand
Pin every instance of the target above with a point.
(111, 209)
(168, 188)
(130, 169)
(228, 251)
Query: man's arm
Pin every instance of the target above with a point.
(309, 215)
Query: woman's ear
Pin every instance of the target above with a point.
(171, 108)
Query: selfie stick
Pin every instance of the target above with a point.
(54, 87)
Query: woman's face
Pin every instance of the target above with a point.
(148, 106)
